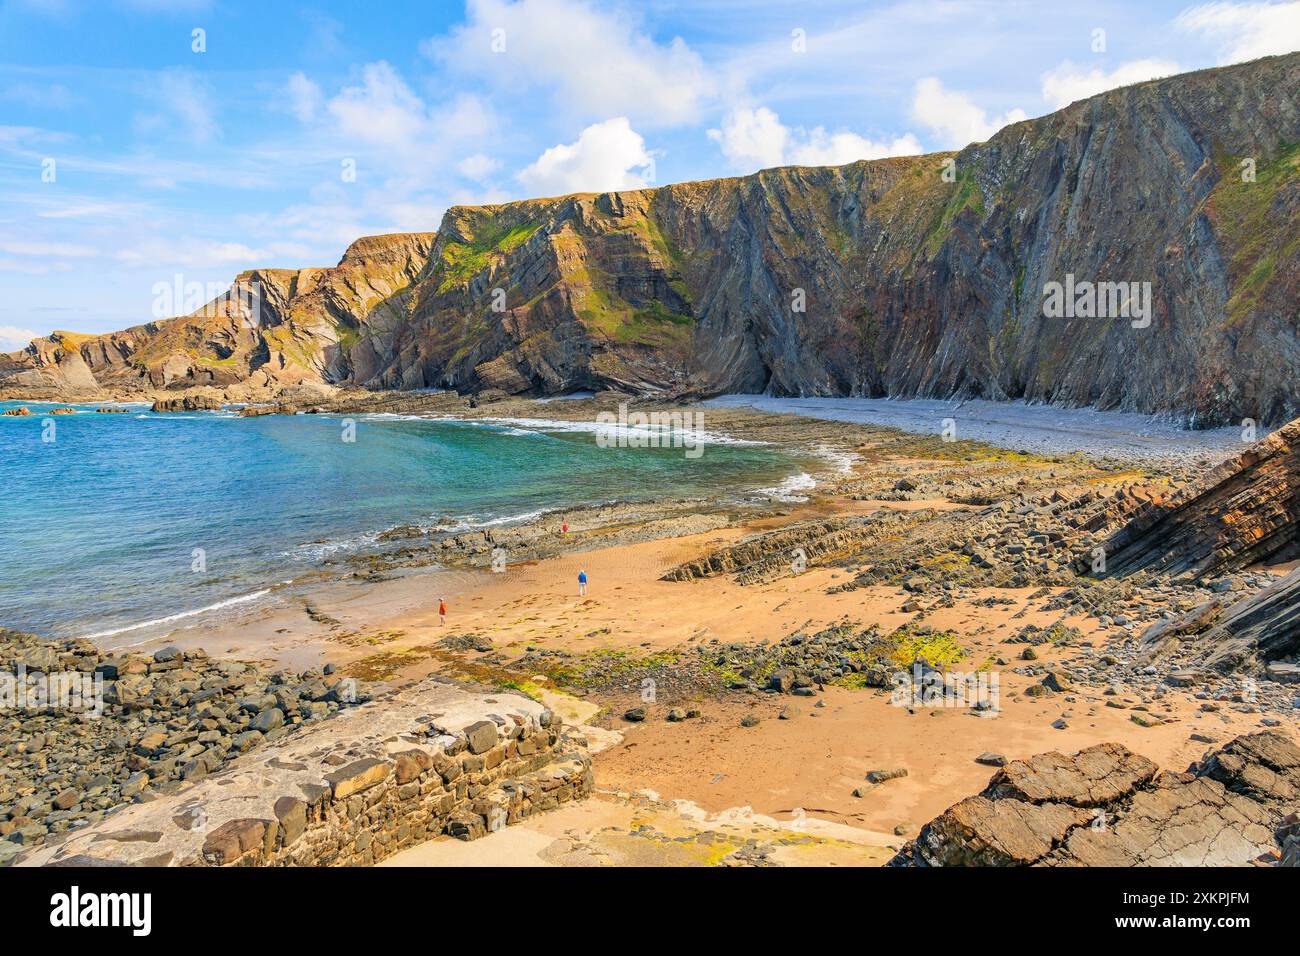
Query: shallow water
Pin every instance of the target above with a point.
(128, 518)
(1045, 429)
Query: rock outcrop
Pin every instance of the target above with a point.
(274, 329)
(918, 276)
(1245, 511)
(1228, 635)
(188, 403)
(1107, 806)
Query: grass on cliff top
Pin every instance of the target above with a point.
(461, 262)
(1254, 237)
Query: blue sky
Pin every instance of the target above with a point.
(133, 150)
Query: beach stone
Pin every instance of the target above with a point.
(634, 714)
(990, 759)
(358, 776)
(880, 776)
(1057, 682)
(749, 720)
(481, 736)
(268, 720)
(781, 681)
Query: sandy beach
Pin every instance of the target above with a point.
(800, 762)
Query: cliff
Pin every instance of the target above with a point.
(875, 278)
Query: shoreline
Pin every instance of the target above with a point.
(808, 429)
(686, 591)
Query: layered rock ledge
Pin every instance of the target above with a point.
(1106, 806)
(429, 760)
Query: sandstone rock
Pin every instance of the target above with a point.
(482, 736)
(1108, 806)
(291, 814)
(358, 776)
(228, 842)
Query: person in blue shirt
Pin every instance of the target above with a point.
(582, 584)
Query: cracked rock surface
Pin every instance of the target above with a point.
(1106, 806)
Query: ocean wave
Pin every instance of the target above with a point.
(318, 550)
(788, 490)
(229, 602)
(842, 460)
(636, 434)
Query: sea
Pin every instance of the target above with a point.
(112, 524)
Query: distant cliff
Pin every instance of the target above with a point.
(876, 278)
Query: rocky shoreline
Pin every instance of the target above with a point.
(138, 727)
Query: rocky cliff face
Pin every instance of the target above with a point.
(273, 328)
(904, 277)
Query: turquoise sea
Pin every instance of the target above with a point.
(129, 518)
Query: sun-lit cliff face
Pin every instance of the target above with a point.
(904, 277)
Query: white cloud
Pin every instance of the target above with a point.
(192, 254)
(185, 107)
(1245, 31)
(304, 97)
(607, 156)
(12, 338)
(1068, 82)
(46, 249)
(597, 62)
(757, 139)
(953, 116)
(382, 110)
(478, 166)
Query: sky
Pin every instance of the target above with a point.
(179, 141)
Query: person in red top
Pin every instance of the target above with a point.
(564, 529)
(442, 611)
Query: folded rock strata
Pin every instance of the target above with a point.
(876, 278)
